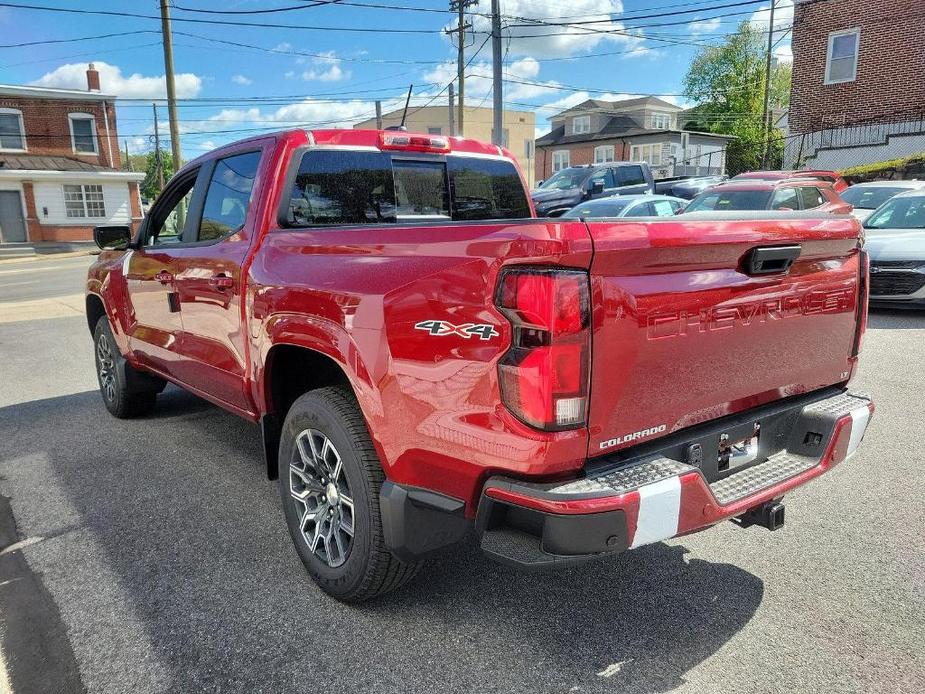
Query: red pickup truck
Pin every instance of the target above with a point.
(426, 357)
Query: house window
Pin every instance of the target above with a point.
(581, 125)
(12, 134)
(84, 201)
(560, 160)
(841, 62)
(603, 154)
(651, 153)
(83, 133)
(661, 121)
(435, 130)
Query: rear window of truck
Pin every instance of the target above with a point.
(360, 187)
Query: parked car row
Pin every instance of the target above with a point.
(892, 212)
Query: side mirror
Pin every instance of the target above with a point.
(112, 238)
(597, 187)
(538, 183)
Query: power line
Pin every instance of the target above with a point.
(220, 22)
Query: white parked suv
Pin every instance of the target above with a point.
(867, 197)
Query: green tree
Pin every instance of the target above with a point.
(726, 82)
(149, 186)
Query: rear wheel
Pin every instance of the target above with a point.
(329, 481)
(112, 373)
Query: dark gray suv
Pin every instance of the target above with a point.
(568, 187)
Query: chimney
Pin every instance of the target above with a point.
(93, 79)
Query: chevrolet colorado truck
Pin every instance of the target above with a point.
(426, 357)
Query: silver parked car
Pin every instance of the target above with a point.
(867, 197)
(895, 240)
(628, 206)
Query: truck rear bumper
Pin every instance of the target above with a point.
(654, 497)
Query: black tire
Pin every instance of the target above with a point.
(122, 399)
(368, 568)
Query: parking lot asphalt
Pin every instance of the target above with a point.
(153, 557)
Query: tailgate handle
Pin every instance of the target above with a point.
(771, 260)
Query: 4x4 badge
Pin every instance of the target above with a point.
(442, 328)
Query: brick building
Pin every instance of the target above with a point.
(644, 129)
(59, 164)
(857, 95)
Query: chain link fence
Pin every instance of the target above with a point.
(862, 151)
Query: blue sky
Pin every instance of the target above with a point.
(235, 80)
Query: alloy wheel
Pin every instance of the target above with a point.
(318, 485)
(106, 366)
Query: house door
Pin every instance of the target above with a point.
(12, 224)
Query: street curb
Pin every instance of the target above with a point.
(49, 256)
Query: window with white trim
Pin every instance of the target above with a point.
(83, 133)
(660, 121)
(603, 154)
(560, 160)
(12, 133)
(841, 61)
(650, 153)
(581, 125)
(82, 201)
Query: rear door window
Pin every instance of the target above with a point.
(630, 176)
(786, 198)
(357, 187)
(228, 196)
(811, 197)
(662, 208)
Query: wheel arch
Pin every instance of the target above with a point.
(96, 309)
(292, 368)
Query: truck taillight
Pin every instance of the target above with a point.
(863, 296)
(544, 375)
(413, 143)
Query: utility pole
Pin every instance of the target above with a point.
(497, 131)
(128, 162)
(452, 119)
(766, 114)
(158, 160)
(378, 115)
(171, 89)
(460, 6)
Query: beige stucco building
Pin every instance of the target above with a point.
(519, 128)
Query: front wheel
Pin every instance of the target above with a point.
(112, 373)
(329, 481)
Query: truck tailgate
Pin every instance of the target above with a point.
(684, 330)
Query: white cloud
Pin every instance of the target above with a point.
(783, 20)
(284, 47)
(207, 145)
(242, 80)
(332, 74)
(112, 81)
(326, 68)
(704, 26)
(535, 27)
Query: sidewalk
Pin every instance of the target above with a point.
(20, 251)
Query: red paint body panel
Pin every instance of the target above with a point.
(432, 402)
(682, 335)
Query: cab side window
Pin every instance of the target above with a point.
(605, 176)
(169, 215)
(228, 196)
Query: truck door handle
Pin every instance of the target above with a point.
(221, 281)
(771, 260)
(164, 277)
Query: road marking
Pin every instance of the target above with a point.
(21, 544)
(613, 668)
